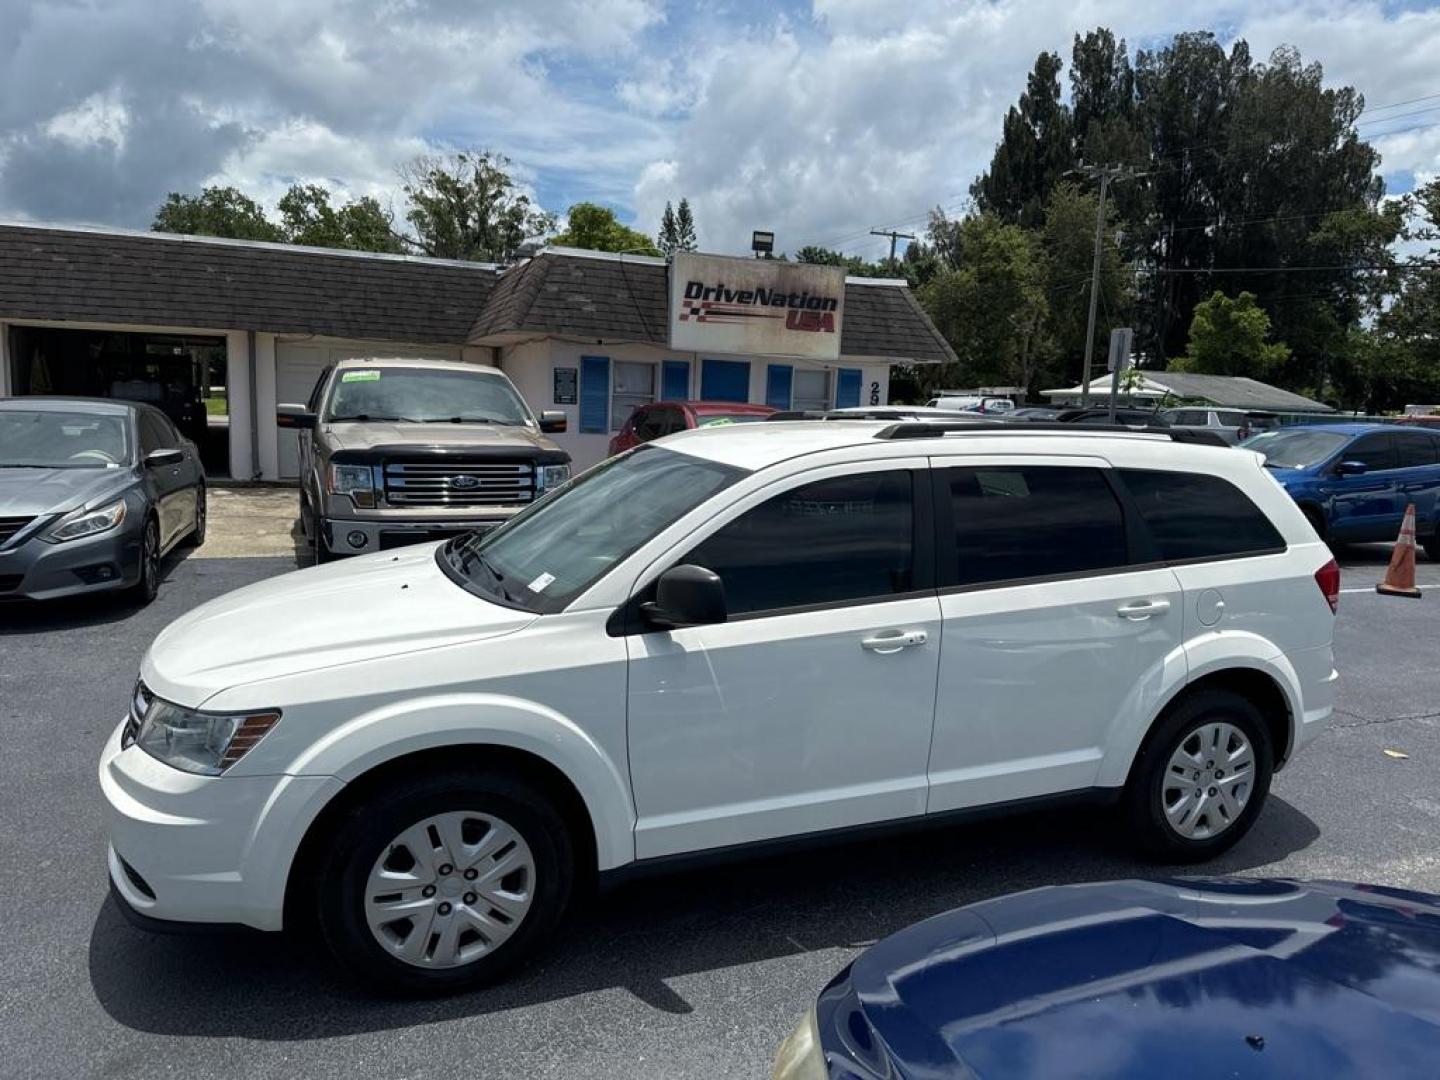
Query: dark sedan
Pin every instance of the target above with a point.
(93, 493)
(1200, 978)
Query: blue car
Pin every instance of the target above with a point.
(1354, 480)
(1175, 979)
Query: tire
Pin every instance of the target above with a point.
(472, 943)
(1210, 825)
(310, 526)
(202, 517)
(145, 590)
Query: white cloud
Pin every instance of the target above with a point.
(100, 118)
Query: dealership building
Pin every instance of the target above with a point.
(163, 318)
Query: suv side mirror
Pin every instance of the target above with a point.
(553, 422)
(158, 459)
(1351, 468)
(294, 417)
(686, 595)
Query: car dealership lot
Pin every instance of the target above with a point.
(698, 974)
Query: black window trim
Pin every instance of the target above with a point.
(625, 621)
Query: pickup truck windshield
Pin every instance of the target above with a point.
(544, 557)
(424, 395)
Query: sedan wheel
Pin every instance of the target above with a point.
(148, 587)
(197, 535)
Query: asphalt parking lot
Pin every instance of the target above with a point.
(693, 975)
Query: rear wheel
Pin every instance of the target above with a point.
(443, 883)
(1201, 778)
(197, 535)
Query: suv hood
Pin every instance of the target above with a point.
(347, 612)
(32, 492)
(367, 435)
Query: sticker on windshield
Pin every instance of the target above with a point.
(541, 583)
(360, 376)
(718, 421)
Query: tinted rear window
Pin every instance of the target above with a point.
(1015, 522)
(1416, 448)
(1193, 516)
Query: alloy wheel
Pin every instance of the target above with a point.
(1208, 781)
(450, 889)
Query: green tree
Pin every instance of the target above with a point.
(595, 228)
(467, 206)
(1229, 337)
(360, 225)
(216, 211)
(1036, 148)
(1068, 236)
(684, 227)
(668, 239)
(853, 264)
(990, 304)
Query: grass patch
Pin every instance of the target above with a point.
(217, 405)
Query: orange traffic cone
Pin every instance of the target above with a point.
(1400, 575)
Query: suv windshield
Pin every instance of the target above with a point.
(1295, 449)
(424, 394)
(544, 557)
(61, 440)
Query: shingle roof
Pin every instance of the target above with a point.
(1234, 391)
(626, 299)
(83, 275)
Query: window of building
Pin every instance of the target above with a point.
(850, 538)
(634, 386)
(1193, 516)
(1013, 522)
(810, 389)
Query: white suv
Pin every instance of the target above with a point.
(725, 637)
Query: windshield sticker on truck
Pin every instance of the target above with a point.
(541, 583)
(360, 376)
(717, 421)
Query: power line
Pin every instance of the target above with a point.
(1397, 104)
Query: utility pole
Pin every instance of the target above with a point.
(1106, 174)
(893, 235)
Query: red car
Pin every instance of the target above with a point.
(666, 417)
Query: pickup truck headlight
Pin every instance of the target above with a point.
(549, 477)
(82, 523)
(357, 481)
(199, 742)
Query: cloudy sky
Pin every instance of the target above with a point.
(817, 119)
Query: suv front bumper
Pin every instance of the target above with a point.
(353, 536)
(203, 849)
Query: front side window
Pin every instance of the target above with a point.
(1013, 522)
(1296, 448)
(1373, 451)
(1416, 448)
(558, 547)
(425, 395)
(634, 387)
(41, 438)
(1194, 516)
(846, 539)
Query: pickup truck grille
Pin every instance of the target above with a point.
(9, 526)
(489, 483)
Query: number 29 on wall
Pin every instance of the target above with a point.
(874, 393)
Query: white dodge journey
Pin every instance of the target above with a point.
(720, 639)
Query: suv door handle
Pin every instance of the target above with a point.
(1140, 610)
(894, 641)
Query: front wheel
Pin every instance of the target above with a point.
(442, 883)
(147, 587)
(197, 534)
(1201, 778)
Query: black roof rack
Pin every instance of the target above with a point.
(928, 429)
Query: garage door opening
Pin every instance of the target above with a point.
(182, 374)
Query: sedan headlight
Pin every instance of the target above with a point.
(199, 742)
(82, 523)
(549, 477)
(357, 481)
(800, 1056)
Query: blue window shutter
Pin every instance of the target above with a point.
(675, 380)
(595, 394)
(777, 385)
(725, 380)
(847, 388)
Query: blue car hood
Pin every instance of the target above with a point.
(1287, 477)
(1144, 979)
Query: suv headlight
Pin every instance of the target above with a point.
(199, 742)
(357, 481)
(549, 477)
(81, 523)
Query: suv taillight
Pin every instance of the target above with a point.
(1328, 578)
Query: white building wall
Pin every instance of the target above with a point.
(237, 394)
(4, 359)
(266, 399)
(531, 366)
